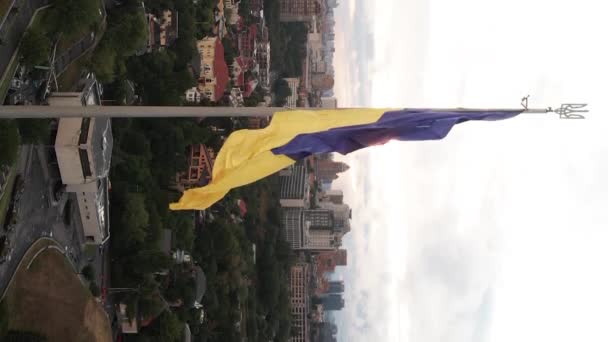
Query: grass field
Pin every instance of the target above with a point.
(48, 298)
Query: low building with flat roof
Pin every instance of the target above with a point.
(83, 147)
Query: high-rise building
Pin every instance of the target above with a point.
(331, 302)
(341, 215)
(319, 218)
(299, 10)
(292, 227)
(333, 196)
(336, 286)
(294, 186)
(299, 278)
(320, 239)
(327, 170)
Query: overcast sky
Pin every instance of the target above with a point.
(500, 231)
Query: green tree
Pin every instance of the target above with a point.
(9, 141)
(4, 319)
(103, 62)
(135, 218)
(230, 51)
(170, 328)
(281, 90)
(150, 261)
(34, 47)
(183, 225)
(129, 24)
(69, 16)
(94, 288)
(88, 272)
(34, 131)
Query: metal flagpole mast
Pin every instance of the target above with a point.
(566, 111)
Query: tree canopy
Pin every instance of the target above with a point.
(34, 47)
(9, 141)
(34, 131)
(282, 91)
(69, 16)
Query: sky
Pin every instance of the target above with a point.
(498, 232)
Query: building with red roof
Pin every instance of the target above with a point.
(247, 39)
(238, 69)
(214, 75)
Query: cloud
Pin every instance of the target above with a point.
(481, 236)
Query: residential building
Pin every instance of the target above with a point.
(200, 166)
(294, 83)
(83, 147)
(231, 11)
(299, 10)
(163, 30)
(299, 279)
(236, 97)
(193, 95)
(238, 69)
(247, 41)
(214, 76)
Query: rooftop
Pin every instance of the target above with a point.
(222, 75)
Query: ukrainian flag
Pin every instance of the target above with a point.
(250, 155)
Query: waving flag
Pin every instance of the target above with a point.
(250, 155)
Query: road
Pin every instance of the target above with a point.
(37, 217)
(12, 27)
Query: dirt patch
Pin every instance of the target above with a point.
(49, 299)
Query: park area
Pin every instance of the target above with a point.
(48, 299)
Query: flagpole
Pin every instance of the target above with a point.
(566, 111)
